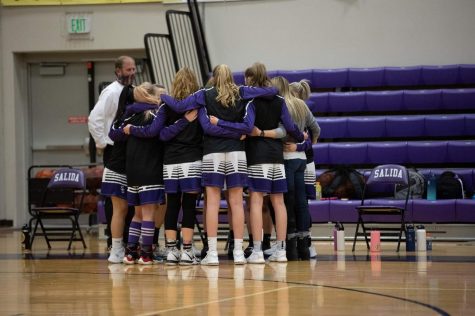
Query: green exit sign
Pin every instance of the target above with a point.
(78, 23)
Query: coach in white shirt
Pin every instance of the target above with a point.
(102, 116)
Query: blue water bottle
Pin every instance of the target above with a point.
(410, 238)
(432, 187)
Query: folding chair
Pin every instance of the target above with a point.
(62, 199)
(383, 175)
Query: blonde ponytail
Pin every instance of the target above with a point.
(228, 91)
(297, 108)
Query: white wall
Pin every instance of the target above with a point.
(284, 34)
(300, 34)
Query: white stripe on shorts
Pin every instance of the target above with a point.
(268, 171)
(182, 170)
(225, 163)
(110, 176)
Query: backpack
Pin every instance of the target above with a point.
(342, 182)
(449, 186)
(418, 187)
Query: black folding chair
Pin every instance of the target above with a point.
(62, 198)
(383, 175)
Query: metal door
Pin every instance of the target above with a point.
(58, 97)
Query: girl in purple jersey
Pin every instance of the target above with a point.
(182, 135)
(144, 170)
(224, 158)
(265, 160)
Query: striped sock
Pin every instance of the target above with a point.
(148, 228)
(134, 233)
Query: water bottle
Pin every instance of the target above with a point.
(375, 241)
(410, 238)
(318, 191)
(25, 241)
(421, 238)
(339, 237)
(432, 187)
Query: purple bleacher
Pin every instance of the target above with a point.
(320, 153)
(366, 77)
(238, 77)
(458, 99)
(461, 151)
(440, 211)
(469, 125)
(440, 75)
(344, 211)
(273, 73)
(329, 78)
(346, 101)
(311, 105)
(422, 100)
(320, 102)
(405, 126)
(387, 101)
(465, 211)
(347, 153)
(387, 152)
(332, 127)
(427, 152)
(389, 218)
(445, 125)
(296, 75)
(366, 126)
(467, 74)
(319, 211)
(402, 76)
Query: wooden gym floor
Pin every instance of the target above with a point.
(81, 282)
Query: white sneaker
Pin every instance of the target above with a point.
(173, 257)
(160, 251)
(278, 256)
(256, 257)
(116, 255)
(188, 258)
(313, 252)
(239, 257)
(272, 249)
(211, 259)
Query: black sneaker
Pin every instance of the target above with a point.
(291, 249)
(302, 248)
